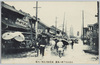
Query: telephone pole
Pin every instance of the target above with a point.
(97, 12)
(63, 22)
(56, 26)
(36, 24)
(83, 24)
(63, 25)
(66, 28)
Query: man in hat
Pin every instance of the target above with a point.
(42, 44)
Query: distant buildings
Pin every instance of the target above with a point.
(58, 32)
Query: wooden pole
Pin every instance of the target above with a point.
(63, 25)
(36, 19)
(56, 26)
(98, 11)
(83, 24)
(36, 24)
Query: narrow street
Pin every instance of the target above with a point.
(53, 29)
(70, 56)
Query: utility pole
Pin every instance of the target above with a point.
(63, 25)
(83, 24)
(63, 22)
(71, 31)
(56, 26)
(36, 24)
(66, 28)
(97, 12)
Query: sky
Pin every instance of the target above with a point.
(51, 9)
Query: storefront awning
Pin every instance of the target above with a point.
(18, 36)
(14, 25)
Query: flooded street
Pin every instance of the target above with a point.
(70, 56)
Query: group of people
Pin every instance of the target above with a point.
(58, 44)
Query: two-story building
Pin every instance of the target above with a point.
(18, 21)
(13, 20)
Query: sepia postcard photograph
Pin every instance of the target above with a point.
(50, 32)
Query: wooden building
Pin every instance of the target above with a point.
(16, 20)
(13, 20)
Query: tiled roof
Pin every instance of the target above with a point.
(43, 24)
(53, 27)
(12, 8)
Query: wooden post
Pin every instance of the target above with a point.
(36, 19)
(83, 24)
(36, 24)
(56, 26)
(63, 25)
